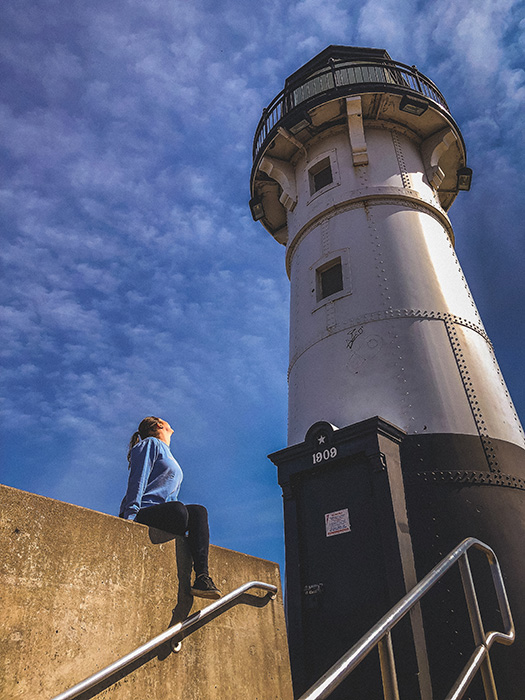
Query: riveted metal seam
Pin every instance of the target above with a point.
(405, 179)
(407, 198)
(390, 314)
(472, 397)
(506, 391)
(473, 477)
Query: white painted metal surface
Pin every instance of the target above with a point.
(403, 338)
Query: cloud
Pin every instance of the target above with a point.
(134, 280)
(388, 25)
(327, 18)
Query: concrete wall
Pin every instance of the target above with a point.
(79, 589)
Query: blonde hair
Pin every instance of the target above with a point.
(148, 427)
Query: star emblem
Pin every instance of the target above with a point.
(321, 439)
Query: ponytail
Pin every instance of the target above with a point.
(149, 427)
(135, 438)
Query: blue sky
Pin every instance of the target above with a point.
(134, 281)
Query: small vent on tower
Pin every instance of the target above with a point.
(320, 175)
(329, 279)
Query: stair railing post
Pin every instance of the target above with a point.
(478, 631)
(388, 668)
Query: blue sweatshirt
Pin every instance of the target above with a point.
(155, 477)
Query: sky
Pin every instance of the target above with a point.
(134, 281)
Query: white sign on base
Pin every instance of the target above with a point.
(337, 522)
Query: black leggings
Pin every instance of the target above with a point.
(177, 518)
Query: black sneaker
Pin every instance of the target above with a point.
(205, 588)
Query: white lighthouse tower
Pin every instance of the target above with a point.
(356, 163)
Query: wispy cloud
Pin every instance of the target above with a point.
(134, 280)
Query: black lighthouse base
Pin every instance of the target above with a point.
(369, 511)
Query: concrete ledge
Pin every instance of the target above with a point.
(79, 589)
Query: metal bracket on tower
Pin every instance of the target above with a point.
(356, 131)
(291, 138)
(284, 174)
(432, 149)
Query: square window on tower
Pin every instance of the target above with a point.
(320, 175)
(329, 279)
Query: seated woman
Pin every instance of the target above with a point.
(151, 499)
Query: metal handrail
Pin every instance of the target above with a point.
(380, 634)
(344, 77)
(180, 628)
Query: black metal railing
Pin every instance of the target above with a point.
(344, 78)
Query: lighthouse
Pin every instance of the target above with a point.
(402, 437)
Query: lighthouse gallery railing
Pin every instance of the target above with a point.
(344, 78)
(380, 635)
